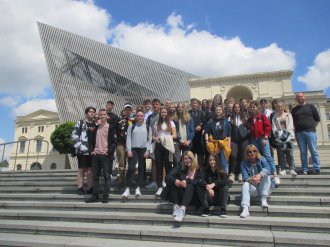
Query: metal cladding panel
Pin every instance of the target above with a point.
(85, 73)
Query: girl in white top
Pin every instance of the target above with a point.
(164, 129)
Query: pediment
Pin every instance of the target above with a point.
(38, 115)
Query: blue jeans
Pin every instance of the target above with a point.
(265, 151)
(223, 160)
(308, 139)
(249, 190)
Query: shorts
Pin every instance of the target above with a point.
(84, 161)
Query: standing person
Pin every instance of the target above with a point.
(103, 146)
(260, 130)
(82, 136)
(305, 119)
(282, 128)
(138, 144)
(121, 137)
(217, 100)
(186, 185)
(244, 106)
(163, 136)
(147, 108)
(185, 130)
(112, 120)
(152, 119)
(255, 171)
(198, 118)
(264, 108)
(217, 186)
(218, 133)
(239, 141)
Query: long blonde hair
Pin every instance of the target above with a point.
(191, 155)
(251, 147)
(185, 116)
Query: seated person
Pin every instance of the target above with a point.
(186, 185)
(216, 185)
(256, 180)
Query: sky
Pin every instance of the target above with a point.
(208, 38)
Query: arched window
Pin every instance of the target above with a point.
(19, 167)
(53, 166)
(35, 166)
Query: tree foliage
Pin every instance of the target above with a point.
(61, 138)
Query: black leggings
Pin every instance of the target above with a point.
(220, 198)
(161, 156)
(236, 156)
(138, 156)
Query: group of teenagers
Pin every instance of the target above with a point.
(195, 154)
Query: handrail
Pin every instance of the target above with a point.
(28, 152)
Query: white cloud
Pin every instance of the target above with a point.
(199, 52)
(34, 105)
(22, 65)
(9, 101)
(318, 75)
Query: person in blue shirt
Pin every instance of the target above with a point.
(256, 179)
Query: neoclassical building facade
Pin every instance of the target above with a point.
(268, 85)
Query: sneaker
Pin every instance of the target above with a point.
(105, 200)
(152, 185)
(206, 212)
(176, 209)
(137, 192)
(303, 172)
(126, 193)
(179, 217)
(164, 184)
(93, 199)
(293, 173)
(90, 191)
(264, 203)
(80, 191)
(231, 178)
(245, 213)
(316, 173)
(277, 180)
(223, 213)
(159, 191)
(283, 172)
(240, 178)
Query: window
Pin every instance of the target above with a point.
(19, 167)
(53, 166)
(39, 146)
(22, 146)
(40, 129)
(24, 130)
(328, 115)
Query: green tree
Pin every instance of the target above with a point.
(61, 138)
(4, 164)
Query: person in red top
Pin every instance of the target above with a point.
(260, 130)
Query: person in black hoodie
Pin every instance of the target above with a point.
(216, 186)
(186, 185)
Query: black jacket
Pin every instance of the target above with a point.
(214, 177)
(112, 140)
(181, 174)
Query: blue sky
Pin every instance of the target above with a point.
(207, 38)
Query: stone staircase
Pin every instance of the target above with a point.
(41, 208)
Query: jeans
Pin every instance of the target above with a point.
(285, 155)
(100, 162)
(249, 190)
(138, 157)
(121, 154)
(308, 139)
(223, 161)
(265, 151)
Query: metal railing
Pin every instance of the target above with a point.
(27, 154)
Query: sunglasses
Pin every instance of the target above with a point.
(252, 152)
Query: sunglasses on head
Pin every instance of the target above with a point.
(252, 152)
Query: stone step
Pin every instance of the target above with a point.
(154, 219)
(234, 199)
(165, 233)
(273, 210)
(32, 240)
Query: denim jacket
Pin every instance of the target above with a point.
(262, 167)
(190, 127)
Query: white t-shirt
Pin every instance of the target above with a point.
(163, 131)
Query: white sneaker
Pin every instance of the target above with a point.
(231, 178)
(283, 172)
(240, 178)
(264, 203)
(164, 184)
(245, 213)
(293, 173)
(176, 209)
(152, 185)
(126, 193)
(179, 217)
(137, 192)
(159, 191)
(277, 180)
